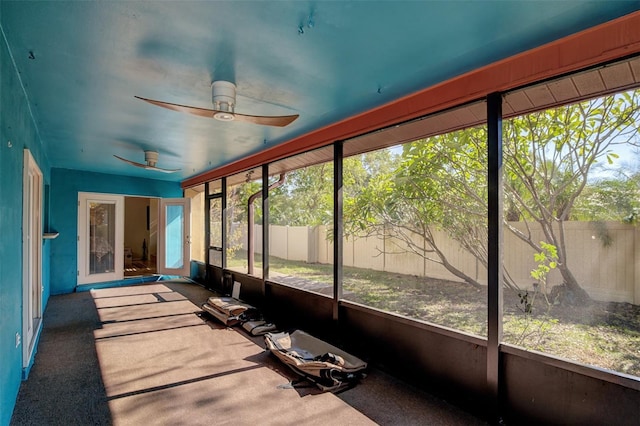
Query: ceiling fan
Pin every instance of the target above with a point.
(151, 158)
(224, 102)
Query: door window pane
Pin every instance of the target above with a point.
(174, 237)
(102, 234)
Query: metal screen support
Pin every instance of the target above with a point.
(207, 234)
(265, 227)
(224, 223)
(337, 227)
(494, 249)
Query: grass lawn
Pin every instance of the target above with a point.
(602, 334)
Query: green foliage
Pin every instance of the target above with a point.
(305, 198)
(550, 156)
(436, 184)
(439, 184)
(238, 199)
(237, 214)
(632, 218)
(547, 259)
(610, 199)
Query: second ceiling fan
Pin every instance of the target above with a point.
(224, 102)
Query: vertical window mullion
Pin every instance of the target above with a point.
(207, 233)
(337, 226)
(265, 225)
(224, 223)
(495, 251)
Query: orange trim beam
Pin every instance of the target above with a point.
(597, 45)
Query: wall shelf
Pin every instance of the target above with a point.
(50, 235)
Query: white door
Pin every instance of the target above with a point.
(174, 237)
(32, 255)
(100, 237)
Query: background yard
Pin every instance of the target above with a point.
(603, 334)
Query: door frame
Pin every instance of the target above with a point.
(84, 276)
(32, 286)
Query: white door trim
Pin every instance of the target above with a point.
(31, 256)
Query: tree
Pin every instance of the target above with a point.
(305, 198)
(551, 155)
(610, 199)
(237, 213)
(440, 182)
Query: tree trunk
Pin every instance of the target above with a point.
(458, 273)
(581, 296)
(443, 261)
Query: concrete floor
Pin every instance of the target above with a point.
(146, 354)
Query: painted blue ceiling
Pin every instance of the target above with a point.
(81, 64)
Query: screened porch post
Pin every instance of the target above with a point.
(207, 234)
(224, 223)
(337, 226)
(265, 226)
(495, 228)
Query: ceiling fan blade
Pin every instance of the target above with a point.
(146, 166)
(201, 112)
(158, 169)
(266, 120)
(277, 121)
(133, 163)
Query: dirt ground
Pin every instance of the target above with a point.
(604, 334)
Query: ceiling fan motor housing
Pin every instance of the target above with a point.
(151, 157)
(223, 94)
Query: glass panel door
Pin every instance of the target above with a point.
(174, 250)
(100, 238)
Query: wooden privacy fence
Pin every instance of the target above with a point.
(607, 272)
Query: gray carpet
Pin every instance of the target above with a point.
(145, 354)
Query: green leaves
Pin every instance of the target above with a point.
(547, 259)
(440, 183)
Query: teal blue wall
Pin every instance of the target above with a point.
(17, 132)
(65, 185)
